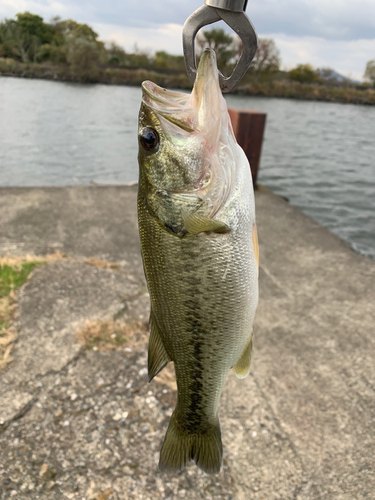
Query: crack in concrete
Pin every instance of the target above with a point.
(23, 411)
(49, 373)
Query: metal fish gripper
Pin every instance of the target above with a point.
(232, 12)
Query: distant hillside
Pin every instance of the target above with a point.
(335, 77)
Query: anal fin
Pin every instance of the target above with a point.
(157, 355)
(195, 224)
(242, 367)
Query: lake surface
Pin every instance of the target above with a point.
(321, 156)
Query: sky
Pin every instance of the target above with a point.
(325, 33)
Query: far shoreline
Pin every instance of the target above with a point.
(135, 76)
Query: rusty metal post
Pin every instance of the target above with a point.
(248, 126)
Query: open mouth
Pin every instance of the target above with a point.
(173, 106)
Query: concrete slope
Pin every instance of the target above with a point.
(78, 423)
(314, 353)
(79, 221)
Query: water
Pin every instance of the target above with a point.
(321, 156)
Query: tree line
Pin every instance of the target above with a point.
(28, 39)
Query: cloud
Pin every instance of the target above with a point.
(336, 33)
(332, 20)
(347, 57)
(164, 37)
(8, 8)
(126, 13)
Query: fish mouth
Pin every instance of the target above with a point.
(201, 116)
(189, 112)
(173, 106)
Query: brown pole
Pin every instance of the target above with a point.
(248, 127)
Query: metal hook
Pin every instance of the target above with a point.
(232, 13)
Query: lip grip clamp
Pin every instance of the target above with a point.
(232, 12)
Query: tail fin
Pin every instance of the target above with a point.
(179, 447)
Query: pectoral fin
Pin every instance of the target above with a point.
(195, 224)
(242, 367)
(157, 355)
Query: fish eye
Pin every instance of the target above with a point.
(149, 139)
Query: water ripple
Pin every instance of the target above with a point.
(321, 156)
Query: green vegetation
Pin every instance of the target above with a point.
(167, 61)
(226, 47)
(28, 39)
(13, 273)
(370, 72)
(69, 51)
(22, 38)
(12, 277)
(118, 56)
(304, 73)
(311, 91)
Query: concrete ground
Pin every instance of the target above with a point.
(84, 424)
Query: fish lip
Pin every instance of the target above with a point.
(173, 106)
(183, 109)
(208, 62)
(152, 91)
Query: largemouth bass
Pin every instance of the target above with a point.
(200, 255)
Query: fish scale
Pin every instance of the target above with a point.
(203, 287)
